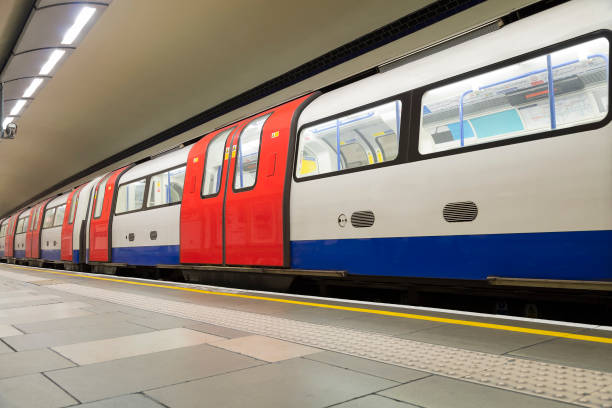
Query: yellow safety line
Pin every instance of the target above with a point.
(564, 335)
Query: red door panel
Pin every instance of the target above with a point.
(29, 232)
(201, 217)
(99, 227)
(68, 227)
(240, 226)
(10, 238)
(35, 240)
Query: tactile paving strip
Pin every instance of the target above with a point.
(567, 384)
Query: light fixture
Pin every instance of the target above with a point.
(33, 87)
(18, 107)
(53, 59)
(6, 121)
(82, 19)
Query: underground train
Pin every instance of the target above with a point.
(492, 158)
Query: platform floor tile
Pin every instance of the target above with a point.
(32, 391)
(442, 392)
(75, 335)
(8, 330)
(362, 365)
(43, 312)
(20, 276)
(27, 298)
(73, 322)
(594, 356)
(217, 330)
(374, 401)
(134, 345)
(29, 362)
(124, 401)
(160, 322)
(292, 383)
(266, 348)
(476, 338)
(130, 375)
(386, 324)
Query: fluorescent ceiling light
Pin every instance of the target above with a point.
(33, 87)
(53, 59)
(7, 120)
(18, 107)
(82, 19)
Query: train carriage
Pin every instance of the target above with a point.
(487, 159)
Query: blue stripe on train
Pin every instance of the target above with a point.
(51, 254)
(579, 255)
(147, 255)
(19, 253)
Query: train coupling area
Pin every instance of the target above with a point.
(77, 339)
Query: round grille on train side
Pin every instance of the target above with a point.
(464, 211)
(362, 219)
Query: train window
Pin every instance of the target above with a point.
(73, 206)
(247, 157)
(130, 196)
(213, 165)
(3, 229)
(515, 100)
(21, 225)
(166, 187)
(49, 216)
(358, 140)
(59, 215)
(99, 196)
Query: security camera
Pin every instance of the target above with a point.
(10, 131)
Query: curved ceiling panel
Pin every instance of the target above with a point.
(46, 3)
(29, 64)
(47, 26)
(16, 89)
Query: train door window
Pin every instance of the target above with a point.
(73, 206)
(59, 215)
(166, 188)
(245, 173)
(49, 216)
(3, 229)
(130, 196)
(516, 100)
(99, 196)
(350, 141)
(34, 218)
(213, 164)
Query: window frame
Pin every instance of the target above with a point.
(415, 155)
(145, 204)
(45, 213)
(104, 179)
(62, 223)
(146, 179)
(243, 189)
(230, 136)
(75, 197)
(405, 98)
(24, 219)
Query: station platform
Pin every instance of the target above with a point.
(99, 341)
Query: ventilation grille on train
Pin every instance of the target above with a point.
(362, 219)
(464, 211)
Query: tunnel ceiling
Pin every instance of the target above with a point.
(146, 66)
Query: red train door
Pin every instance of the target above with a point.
(99, 226)
(29, 232)
(10, 238)
(35, 240)
(234, 213)
(203, 195)
(68, 225)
